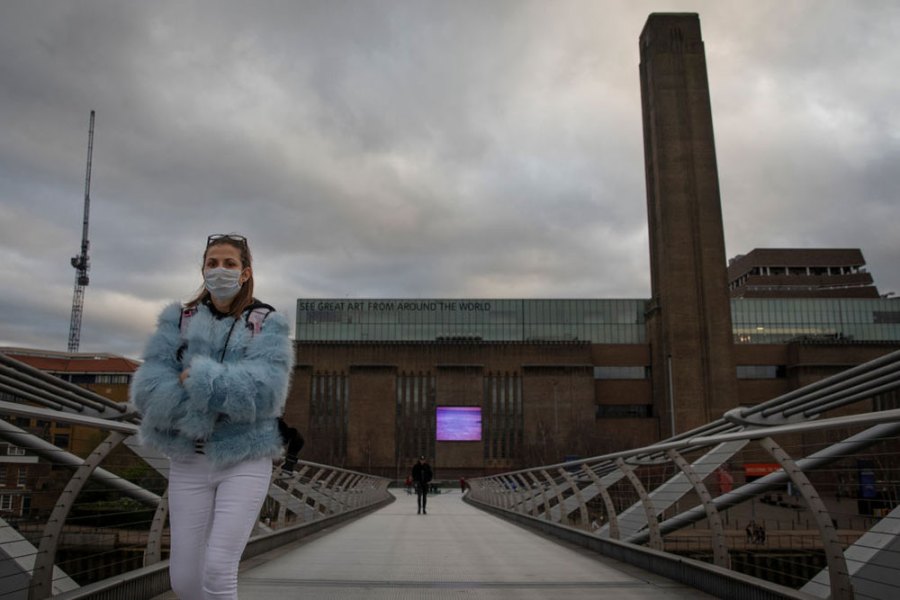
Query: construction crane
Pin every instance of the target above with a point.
(81, 262)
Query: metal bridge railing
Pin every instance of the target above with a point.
(83, 510)
(795, 497)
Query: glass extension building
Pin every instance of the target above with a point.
(617, 321)
(421, 320)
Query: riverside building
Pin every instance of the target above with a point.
(548, 379)
(488, 385)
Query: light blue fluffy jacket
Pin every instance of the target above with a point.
(232, 405)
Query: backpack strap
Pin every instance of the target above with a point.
(256, 314)
(183, 321)
(185, 318)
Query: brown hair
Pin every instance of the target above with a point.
(244, 297)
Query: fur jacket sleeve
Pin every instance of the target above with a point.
(155, 390)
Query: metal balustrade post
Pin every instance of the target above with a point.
(488, 491)
(355, 497)
(325, 492)
(521, 493)
(292, 484)
(511, 493)
(153, 552)
(532, 495)
(540, 487)
(501, 488)
(485, 491)
(838, 574)
(557, 491)
(582, 507)
(652, 524)
(719, 542)
(498, 492)
(42, 576)
(308, 491)
(339, 490)
(607, 502)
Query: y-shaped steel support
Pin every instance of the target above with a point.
(557, 490)
(43, 565)
(582, 507)
(838, 575)
(540, 486)
(652, 524)
(291, 485)
(607, 501)
(153, 552)
(719, 544)
(527, 495)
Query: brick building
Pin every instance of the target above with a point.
(554, 379)
(21, 472)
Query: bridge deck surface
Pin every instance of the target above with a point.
(455, 551)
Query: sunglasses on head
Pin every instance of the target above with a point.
(216, 237)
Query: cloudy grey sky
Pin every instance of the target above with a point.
(413, 148)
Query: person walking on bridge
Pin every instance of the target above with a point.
(421, 476)
(212, 386)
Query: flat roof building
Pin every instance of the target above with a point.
(800, 273)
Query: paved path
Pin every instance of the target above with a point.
(455, 551)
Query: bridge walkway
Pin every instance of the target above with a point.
(455, 551)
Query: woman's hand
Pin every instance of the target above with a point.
(184, 375)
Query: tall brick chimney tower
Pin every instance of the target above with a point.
(689, 315)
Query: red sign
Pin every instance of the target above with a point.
(760, 469)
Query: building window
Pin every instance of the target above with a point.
(886, 316)
(621, 372)
(14, 451)
(503, 418)
(624, 411)
(760, 371)
(124, 379)
(415, 415)
(23, 477)
(328, 413)
(6, 502)
(887, 401)
(61, 440)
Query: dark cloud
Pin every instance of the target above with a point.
(423, 149)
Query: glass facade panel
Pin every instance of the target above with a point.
(775, 321)
(760, 371)
(621, 372)
(597, 321)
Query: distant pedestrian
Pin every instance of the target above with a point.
(421, 476)
(760, 534)
(409, 485)
(751, 532)
(462, 484)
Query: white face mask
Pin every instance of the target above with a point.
(223, 284)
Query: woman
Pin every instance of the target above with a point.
(210, 390)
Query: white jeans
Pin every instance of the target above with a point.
(211, 516)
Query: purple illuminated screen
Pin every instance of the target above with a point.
(458, 423)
